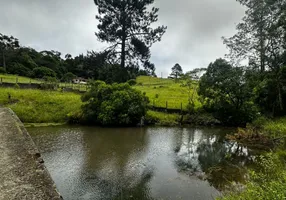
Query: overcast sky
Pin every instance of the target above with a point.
(193, 38)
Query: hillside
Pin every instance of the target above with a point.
(161, 90)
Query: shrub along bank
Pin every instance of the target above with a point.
(116, 104)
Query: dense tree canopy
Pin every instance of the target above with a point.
(227, 94)
(127, 25)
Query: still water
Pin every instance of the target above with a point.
(140, 163)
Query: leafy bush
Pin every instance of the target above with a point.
(41, 72)
(132, 82)
(116, 104)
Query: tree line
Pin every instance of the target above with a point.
(26, 61)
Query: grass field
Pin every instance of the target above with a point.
(161, 90)
(158, 90)
(37, 106)
(8, 78)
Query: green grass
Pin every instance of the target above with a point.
(162, 119)
(37, 106)
(276, 127)
(161, 90)
(268, 182)
(8, 78)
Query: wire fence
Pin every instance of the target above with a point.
(40, 83)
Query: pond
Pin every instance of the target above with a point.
(141, 163)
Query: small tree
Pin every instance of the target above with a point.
(190, 82)
(176, 72)
(68, 77)
(41, 72)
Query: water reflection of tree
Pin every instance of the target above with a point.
(115, 162)
(138, 191)
(207, 151)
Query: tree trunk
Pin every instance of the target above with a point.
(123, 54)
(262, 44)
(280, 98)
(262, 55)
(4, 61)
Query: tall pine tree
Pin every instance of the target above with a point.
(126, 24)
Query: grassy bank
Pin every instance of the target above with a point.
(37, 106)
(161, 91)
(268, 180)
(162, 119)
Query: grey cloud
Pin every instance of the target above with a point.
(193, 38)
